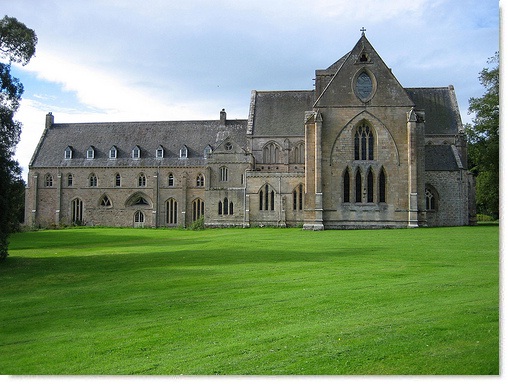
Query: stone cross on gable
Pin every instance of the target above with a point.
(363, 31)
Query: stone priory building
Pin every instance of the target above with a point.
(357, 151)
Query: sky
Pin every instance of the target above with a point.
(131, 60)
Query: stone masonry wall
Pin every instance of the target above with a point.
(452, 200)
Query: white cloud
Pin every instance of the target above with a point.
(169, 60)
(371, 11)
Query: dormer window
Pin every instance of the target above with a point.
(90, 152)
(113, 152)
(159, 153)
(136, 152)
(68, 153)
(207, 152)
(184, 152)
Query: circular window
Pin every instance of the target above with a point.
(228, 146)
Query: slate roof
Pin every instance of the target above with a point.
(336, 66)
(171, 135)
(442, 114)
(441, 158)
(280, 113)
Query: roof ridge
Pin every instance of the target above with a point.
(436, 87)
(156, 122)
(286, 91)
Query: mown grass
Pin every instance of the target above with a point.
(257, 301)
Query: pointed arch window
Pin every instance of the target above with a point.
(224, 174)
(364, 142)
(430, 199)
(358, 187)
(92, 180)
(171, 180)
(139, 219)
(48, 180)
(118, 180)
(171, 211)
(266, 198)
(298, 198)
(141, 201)
(77, 211)
(106, 201)
(200, 180)
(382, 186)
(370, 186)
(70, 180)
(138, 198)
(347, 186)
(271, 153)
(299, 153)
(198, 209)
(141, 180)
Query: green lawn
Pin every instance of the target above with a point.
(251, 301)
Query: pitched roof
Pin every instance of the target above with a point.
(442, 158)
(279, 113)
(336, 66)
(442, 114)
(171, 135)
(363, 57)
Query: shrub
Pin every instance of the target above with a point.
(198, 224)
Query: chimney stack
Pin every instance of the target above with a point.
(223, 117)
(50, 120)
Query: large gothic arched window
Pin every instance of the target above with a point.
(364, 142)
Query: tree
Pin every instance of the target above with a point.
(483, 141)
(17, 44)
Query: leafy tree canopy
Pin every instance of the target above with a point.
(17, 44)
(483, 140)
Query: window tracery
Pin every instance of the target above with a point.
(364, 142)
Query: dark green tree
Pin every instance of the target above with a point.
(17, 44)
(483, 140)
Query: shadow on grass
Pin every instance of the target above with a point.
(76, 238)
(168, 259)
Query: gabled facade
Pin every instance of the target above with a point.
(358, 151)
